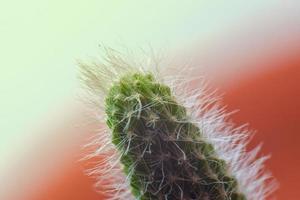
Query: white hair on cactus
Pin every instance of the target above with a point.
(228, 140)
(204, 110)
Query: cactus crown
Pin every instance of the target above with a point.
(172, 141)
(164, 153)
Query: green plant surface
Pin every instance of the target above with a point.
(164, 154)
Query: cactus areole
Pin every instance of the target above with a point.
(162, 151)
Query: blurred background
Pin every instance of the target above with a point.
(249, 50)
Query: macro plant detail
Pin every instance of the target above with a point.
(165, 151)
(163, 140)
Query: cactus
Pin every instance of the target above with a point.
(167, 148)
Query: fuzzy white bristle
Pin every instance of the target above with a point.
(204, 110)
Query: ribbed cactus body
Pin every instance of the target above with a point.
(164, 154)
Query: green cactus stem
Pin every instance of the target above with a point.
(164, 154)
